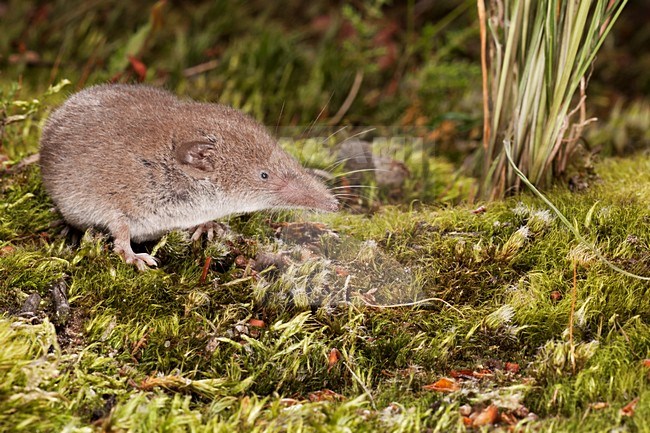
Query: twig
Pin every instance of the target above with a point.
(574, 294)
(413, 304)
(356, 85)
(206, 267)
(29, 160)
(484, 73)
(200, 68)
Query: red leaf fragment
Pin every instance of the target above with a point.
(512, 367)
(325, 395)
(333, 358)
(480, 374)
(508, 418)
(138, 67)
(206, 268)
(443, 385)
(488, 416)
(257, 323)
(462, 374)
(628, 409)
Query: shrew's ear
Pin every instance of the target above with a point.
(196, 154)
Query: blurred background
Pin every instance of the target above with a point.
(409, 66)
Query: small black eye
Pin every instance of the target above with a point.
(264, 175)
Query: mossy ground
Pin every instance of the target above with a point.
(161, 351)
(311, 344)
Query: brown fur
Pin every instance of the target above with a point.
(138, 162)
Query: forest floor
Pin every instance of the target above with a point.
(407, 311)
(294, 323)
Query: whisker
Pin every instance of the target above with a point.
(358, 134)
(311, 126)
(344, 160)
(353, 186)
(361, 170)
(336, 163)
(277, 125)
(333, 134)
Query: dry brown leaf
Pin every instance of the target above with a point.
(257, 323)
(508, 418)
(241, 261)
(488, 416)
(341, 272)
(479, 210)
(462, 374)
(138, 67)
(7, 249)
(628, 409)
(443, 385)
(480, 374)
(333, 358)
(325, 395)
(512, 367)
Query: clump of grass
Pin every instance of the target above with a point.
(540, 55)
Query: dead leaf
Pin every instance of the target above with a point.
(138, 67)
(241, 261)
(333, 358)
(325, 395)
(257, 323)
(479, 210)
(646, 363)
(341, 272)
(206, 268)
(7, 249)
(628, 409)
(488, 416)
(462, 374)
(443, 385)
(508, 418)
(599, 405)
(157, 17)
(512, 367)
(480, 374)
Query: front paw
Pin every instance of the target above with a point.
(210, 228)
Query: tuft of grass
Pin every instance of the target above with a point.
(540, 55)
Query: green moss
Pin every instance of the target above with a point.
(492, 275)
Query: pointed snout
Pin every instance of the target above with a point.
(332, 205)
(308, 193)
